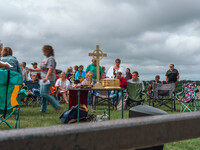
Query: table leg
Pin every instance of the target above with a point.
(117, 97)
(108, 106)
(122, 105)
(78, 106)
(69, 99)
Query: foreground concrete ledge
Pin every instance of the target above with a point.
(114, 134)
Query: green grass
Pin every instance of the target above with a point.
(32, 117)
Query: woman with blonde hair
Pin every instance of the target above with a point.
(6, 56)
(47, 68)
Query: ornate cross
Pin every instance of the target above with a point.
(98, 55)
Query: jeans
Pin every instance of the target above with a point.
(118, 95)
(44, 93)
(36, 92)
(90, 97)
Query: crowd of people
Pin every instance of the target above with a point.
(46, 75)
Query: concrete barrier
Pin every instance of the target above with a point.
(116, 134)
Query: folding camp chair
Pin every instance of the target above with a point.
(135, 94)
(163, 95)
(34, 96)
(189, 98)
(102, 97)
(9, 98)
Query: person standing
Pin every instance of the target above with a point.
(93, 68)
(112, 72)
(172, 76)
(47, 67)
(24, 72)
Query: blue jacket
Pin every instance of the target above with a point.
(13, 62)
(77, 75)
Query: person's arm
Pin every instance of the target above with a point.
(19, 68)
(4, 65)
(110, 72)
(26, 76)
(87, 69)
(101, 72)
(123, 72)
(166, 79)
(62, 88)
(48, 74)
(83, 74)
(123, 83)
(143, 86)
(177, 78)
(101, 77)
(68, 84)
(35, 70)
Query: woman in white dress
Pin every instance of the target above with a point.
(112, 72)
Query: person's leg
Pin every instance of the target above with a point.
(43, 99)
(119, 96)
(113, 95)
(36, 92)
(64, 95)
(44, 92)
(90, 97)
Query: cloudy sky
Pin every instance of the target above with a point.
(147, 35)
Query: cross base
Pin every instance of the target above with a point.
(98, 86)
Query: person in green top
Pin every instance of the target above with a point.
(93, 68)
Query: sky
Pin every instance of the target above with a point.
(147, 35)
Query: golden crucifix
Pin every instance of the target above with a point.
(99, 55)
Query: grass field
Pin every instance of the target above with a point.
(32, 117)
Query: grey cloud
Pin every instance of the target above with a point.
(147, 35)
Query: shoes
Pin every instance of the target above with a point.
(59, 109)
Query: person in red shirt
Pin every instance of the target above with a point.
(123, 84)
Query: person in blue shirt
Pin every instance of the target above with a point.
(80, 74)
(6, 56)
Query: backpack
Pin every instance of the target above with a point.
(70, 115)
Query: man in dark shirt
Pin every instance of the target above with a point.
(172, 75)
